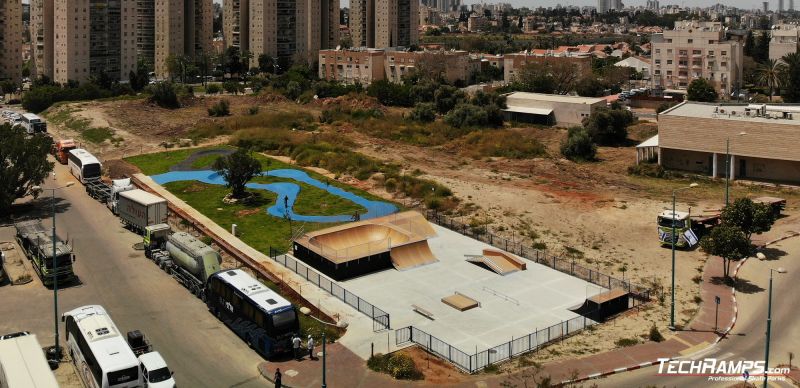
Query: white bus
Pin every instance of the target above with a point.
(22, 364)
(101, 355)
(84, 165)
(33, 123)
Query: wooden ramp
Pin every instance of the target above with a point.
(498, 261)
(460, 302)
(412, 255)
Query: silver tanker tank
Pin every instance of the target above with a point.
(193, 255)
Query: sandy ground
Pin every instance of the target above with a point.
(593, 213)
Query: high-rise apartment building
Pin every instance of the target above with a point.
(603, 6)
(696, 50)
(146, 31)
(11, 40)
(93, 37)
(184, 28)
(780, 5)
(765, 6)
(42, 37)
(384, 23)
(294, 29)
(236, 24)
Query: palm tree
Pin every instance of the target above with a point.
(771, 75)
(792, 78)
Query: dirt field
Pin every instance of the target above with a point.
(594, 213)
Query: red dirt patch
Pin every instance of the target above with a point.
(248, 212)
(436, 370)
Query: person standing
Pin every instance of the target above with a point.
(278, 376)
(310, 347)
(296, 346)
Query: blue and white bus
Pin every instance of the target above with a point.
(83, 165)
(101, 355)
(264, 319)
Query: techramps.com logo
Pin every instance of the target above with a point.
(721, 370)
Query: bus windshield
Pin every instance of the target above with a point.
(91, 171)
(63, 261)
(123, 376)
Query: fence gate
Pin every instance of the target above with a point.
(380, 322)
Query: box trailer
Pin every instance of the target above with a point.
(139, 209)
(23, 365)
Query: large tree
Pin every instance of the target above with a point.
(791, 84)
(23, 163)
(770, 74)
(237, 169)
(701, 90)
(748, 216)
(727, 242)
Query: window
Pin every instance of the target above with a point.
(669, 61)
(724, 53)
(690, 41)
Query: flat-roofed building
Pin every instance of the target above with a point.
(11, 40)
(367, 65)
(42, 37)
(695, 50)
(550, 109)
(513, 63)
(763, 140)
(784, 40)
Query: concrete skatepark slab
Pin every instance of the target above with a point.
(513, 305)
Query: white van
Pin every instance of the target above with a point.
(154, 371)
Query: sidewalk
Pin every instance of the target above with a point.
(345, 369)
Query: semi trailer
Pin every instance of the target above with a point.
(190, 261)
(139, 209)
(108, 193)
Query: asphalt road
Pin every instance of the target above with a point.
(748, 336)
(201, 350)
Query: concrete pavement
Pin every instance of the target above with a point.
(201, 350)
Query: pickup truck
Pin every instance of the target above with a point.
(153, 368)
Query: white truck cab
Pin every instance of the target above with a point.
(155, 373)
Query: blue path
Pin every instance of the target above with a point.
(287, 189)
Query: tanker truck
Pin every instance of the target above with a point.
(187, 259)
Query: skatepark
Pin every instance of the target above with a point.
(460, 290)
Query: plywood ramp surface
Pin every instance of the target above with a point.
(460, 302)
(412, 255)
(501, 262)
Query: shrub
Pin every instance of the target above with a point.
(220, 109)
(578, 146)
(423, 112)
(647, 169)
(608, 126)
(164, 95)
(233, 87)
(655, 335)
(625, 342)
(378, 362)
(213, 89)
(492, 368)
(402, 367)
(466, 115)
(663, 107)
(252, 111)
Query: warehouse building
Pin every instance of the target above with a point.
(550, 109)
(762, 140)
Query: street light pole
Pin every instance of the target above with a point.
(672, 304)
(323, 360)
(769, 323)
(727, 168)
(341, 324)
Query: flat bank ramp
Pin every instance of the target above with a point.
(412, 255)
(501, 262)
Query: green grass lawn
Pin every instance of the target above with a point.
(160, 162)
(313, 201)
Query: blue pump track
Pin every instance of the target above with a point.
(287, 190)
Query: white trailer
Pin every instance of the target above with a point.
(139, 209)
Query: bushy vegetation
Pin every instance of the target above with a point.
(44, 94)
(502, 143)
(652, 170)
(220, 109)
(701, 90)
(164, 94)
(397, 365)
(608, 126)
(655, 335)
(213, 89)
(579, 145)
(424, 112)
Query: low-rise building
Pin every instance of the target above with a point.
(367, 65)
(642, 65)
(550, 109)
(512, 63)
(763, 140)
(784, 40)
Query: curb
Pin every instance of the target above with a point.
(651, 363)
